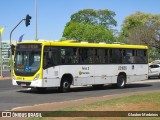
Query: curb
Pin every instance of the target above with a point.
(5, 78)
(54, 106)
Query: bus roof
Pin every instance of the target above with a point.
(73, 43)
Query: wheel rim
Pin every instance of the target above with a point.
(65, 85)
(121, 82)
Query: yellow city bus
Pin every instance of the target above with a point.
(44, 64)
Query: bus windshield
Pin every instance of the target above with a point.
(27, 60)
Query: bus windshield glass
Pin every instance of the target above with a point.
(27, 59)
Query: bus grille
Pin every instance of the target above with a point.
(27, 83)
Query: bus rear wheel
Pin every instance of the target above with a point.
(65, 85)
(121, 81)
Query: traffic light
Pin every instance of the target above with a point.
(28, 20)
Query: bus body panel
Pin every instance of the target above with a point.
(83, 74)
(51, 77)
(100, 74)
(88, 74)
(29, 84)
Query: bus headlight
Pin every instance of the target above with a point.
(37, 76)
(13, 77)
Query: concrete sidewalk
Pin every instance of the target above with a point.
(5, 77)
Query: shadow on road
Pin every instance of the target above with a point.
(137, 85)
(84, 89)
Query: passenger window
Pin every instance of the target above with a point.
(69, 55)
(50, 57)
(128, 56)
(100, 56)
(141, 56)
(116, 56)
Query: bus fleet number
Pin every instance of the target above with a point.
(122, 67)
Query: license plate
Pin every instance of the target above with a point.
(23, 85)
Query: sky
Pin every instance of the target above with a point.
(54, 14)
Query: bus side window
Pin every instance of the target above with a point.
(116, 56)
(50, 58)
(100, 57)
(67, 55)
(83, 55)
(106, 56)
(55, 56)
(128, 56)
(63, 52)
(80, 56)
(75, 56)
(145, 56)
(110, 55)
(45, 60)
(141, 56)
(90, 55)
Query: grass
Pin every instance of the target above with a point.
(150, 98)
(143, 102)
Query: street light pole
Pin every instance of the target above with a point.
(1, 55)
(36, 26)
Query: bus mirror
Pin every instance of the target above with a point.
(12, 49)
(8, 53)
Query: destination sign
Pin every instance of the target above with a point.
(29, 46)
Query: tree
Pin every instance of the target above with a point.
(95, 17)
(142, 28)
(147, 35)
(137, 20)
(91, 25)
(87, 32)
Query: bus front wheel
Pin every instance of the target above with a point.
(121, 81)
(65, 85)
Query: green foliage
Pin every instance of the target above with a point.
(95, 17)
(153, 54)
(136, 20)
(142, 28)
(87, 32)
(91, 26)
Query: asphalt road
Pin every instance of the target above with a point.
(13, 96)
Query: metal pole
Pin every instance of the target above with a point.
(1, 55)
(36, 26)
(11, 43)
(14, 29)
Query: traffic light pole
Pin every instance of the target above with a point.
(14, 29)
(11, 43)
(27, 23)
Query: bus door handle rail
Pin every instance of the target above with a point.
(103, 76)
